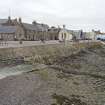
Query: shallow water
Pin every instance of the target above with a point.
(14, 70)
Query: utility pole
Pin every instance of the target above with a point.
(64, 34)
(42, 36)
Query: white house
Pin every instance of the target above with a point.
(92, 35)
(64, 35)
(100, 37)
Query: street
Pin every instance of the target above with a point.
(14, 44)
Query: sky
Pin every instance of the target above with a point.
(75, 14)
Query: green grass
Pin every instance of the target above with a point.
(63, 100)
(43, 74)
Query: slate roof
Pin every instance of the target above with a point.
(37, 27)
(43, 27)
(75, 32)
(3, 21)
(54, 29)
(7, 29)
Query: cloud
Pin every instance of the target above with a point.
(85, 14)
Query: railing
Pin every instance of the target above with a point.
(2, 43)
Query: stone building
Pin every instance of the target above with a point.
(34, 31)
(78, 34)
(92, 35)
(10, 30)
(7, 32)
(17, 30)
(53, 33)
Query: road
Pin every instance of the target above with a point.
(14, 44)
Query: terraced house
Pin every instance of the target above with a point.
(13, 29)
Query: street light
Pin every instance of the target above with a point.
(64, 34)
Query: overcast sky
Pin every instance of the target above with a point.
(75, 14)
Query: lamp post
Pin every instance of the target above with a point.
(42, 36)
(64, 35)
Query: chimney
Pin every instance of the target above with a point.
(34, 22)
(42, 24)
(15, 20)
(9, 18)
(92, 30)
(64, 26)
(20, 20)
(58, 27)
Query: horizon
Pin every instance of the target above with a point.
(77, 15)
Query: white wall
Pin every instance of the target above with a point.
(63, 34)
(90, 35)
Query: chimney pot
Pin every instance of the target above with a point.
(64, 26)
(34, 22)
(20, 20)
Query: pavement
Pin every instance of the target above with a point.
(16, 44)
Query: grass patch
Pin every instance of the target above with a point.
(43, 74)
(75, 66)
(63, 75)
(63, 100)
(95, 46)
